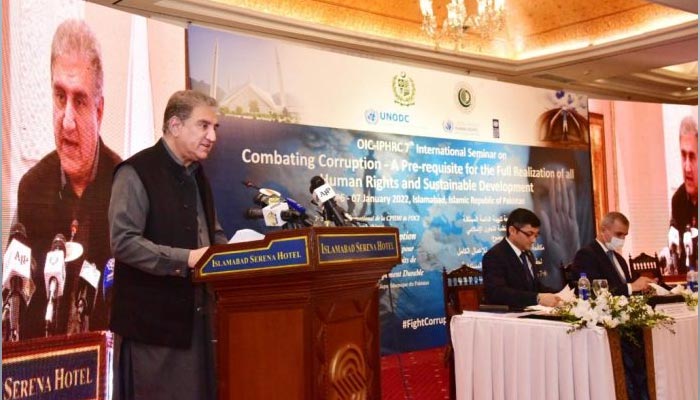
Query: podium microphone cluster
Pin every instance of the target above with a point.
(276, 210)
(324, 196)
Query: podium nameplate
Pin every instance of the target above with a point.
(67, 374)
(72, 367)
(286, 253)
(349, 247)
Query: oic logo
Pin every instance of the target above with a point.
(465, 96)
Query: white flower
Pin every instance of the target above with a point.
(602, 306)
(613, 312)
(581, 308)
(590, 318)
(624, 317)
(609, 322)
(622, 301)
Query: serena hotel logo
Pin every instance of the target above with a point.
(61, 380)
(72, 373)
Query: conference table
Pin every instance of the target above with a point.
(501, 356)
(676, 359)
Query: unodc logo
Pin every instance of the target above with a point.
(371, 116)
(447, 125)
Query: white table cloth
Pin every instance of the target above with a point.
(501, 357)
(676, 359)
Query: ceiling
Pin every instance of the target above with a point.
(612, 49)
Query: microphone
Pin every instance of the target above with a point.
(259, 213)
(324, 195)
(264, 200)
(107, 278)
(279, 215)
(265, 196)
(54, 279)
(17, 283)
(73, 229)
(88, 282)
(295, 206)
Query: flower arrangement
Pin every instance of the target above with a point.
(691, 299)
(626, 315)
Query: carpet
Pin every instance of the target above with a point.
(418, 375)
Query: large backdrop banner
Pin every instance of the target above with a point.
(442, 157)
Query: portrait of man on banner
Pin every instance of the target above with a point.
(60, 171)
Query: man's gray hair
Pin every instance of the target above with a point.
(182, 103)
(689, 126)
(74, 37)
(613, 216)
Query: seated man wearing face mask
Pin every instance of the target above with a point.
(601, 260)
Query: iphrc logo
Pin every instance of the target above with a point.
(374, 117)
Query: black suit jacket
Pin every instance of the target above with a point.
(505, 281)
(594, 261)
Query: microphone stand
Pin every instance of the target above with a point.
(14, 303)
(51, 308)
(81, 306)
(6, 319)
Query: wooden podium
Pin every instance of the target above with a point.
(297, 312)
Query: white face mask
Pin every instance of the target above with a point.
(615, 243)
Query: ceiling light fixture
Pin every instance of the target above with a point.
(488, 20)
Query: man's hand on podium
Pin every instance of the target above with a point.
(195, 255)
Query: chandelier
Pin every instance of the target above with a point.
(488, 20)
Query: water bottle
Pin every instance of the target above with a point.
(584, 287)
(692, 279)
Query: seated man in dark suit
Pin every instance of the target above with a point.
(510, 272)
(601, 260)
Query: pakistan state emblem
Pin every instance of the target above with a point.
(404, 90)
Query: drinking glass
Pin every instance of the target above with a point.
(600, 287)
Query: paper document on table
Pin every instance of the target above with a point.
(246, 235)
(660, 291)
(678, 289)
(567, 294)
(540, 308)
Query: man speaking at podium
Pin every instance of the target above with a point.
(162, 220)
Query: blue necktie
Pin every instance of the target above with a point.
(523, 258)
